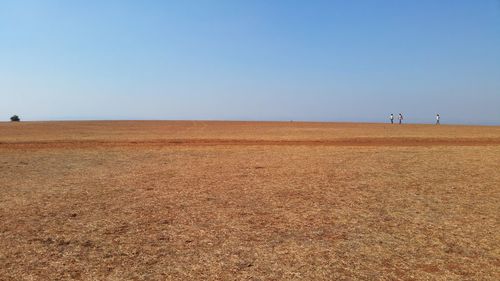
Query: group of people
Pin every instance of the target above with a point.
(400, 118)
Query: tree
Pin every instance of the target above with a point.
(15, 118)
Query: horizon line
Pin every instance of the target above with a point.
(490, 124)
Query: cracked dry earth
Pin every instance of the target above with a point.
(183, 200)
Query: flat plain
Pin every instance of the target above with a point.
(207, 200)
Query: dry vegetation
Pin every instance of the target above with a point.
(248, 201)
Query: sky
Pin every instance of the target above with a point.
(355, 61)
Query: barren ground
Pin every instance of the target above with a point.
(158, 200)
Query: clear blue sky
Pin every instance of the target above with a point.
(258, 60)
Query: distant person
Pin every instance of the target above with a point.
(400, 118)
(392, 118)
(437, 119)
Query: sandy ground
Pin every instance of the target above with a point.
(191, 200)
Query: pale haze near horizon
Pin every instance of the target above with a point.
(353, 61)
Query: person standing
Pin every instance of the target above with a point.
(437, 119)
(400, 118)
(392, 118)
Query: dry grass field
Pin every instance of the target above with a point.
(158, 200)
